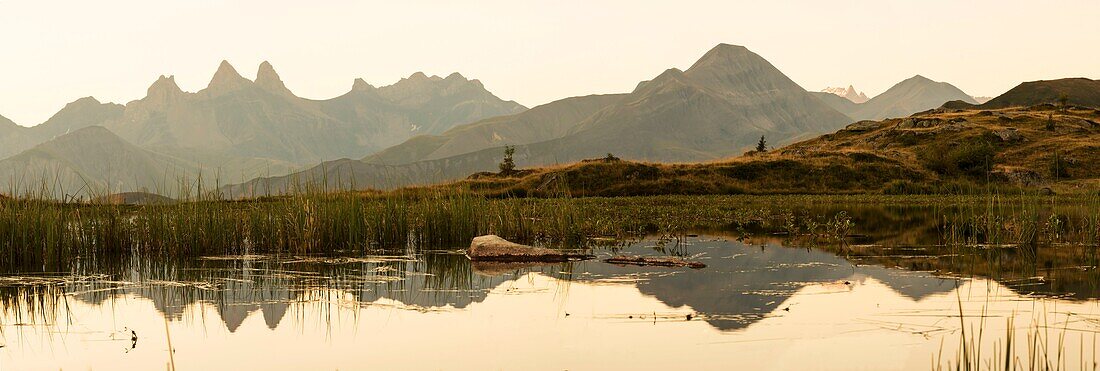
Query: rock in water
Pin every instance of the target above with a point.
(494, 248)
(661, 261)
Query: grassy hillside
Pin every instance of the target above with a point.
(1075, 91)
(932, 152)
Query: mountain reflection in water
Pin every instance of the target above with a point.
(589, 312)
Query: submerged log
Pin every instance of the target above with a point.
(493, 248)
(661, 261)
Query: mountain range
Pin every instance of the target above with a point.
(910, 96)
(427, 129)
(242, 128)
(719, 107)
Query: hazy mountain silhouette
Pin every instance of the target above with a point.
(839, 103)
(81, 113)
(13, 138)
(718, 107)
(239, 118)
(910, 96)
(545, 122)
(242, 128)
(92, 160)
(848, 93)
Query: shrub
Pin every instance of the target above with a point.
(972, 159)
(905, 187)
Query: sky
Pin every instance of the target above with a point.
(53, 52)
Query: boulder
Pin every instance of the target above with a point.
(865, 125)
(920, 123)
(1008, 134)
(494, 248)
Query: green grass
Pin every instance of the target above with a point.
(35, 231)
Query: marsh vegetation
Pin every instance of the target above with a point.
(315, 247)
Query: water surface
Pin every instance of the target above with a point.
(758, 305)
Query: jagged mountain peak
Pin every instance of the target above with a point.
(165, 86)
(849, 93)
(162, 92)
(165, 83)
(267, 78)
(420, 83)
(226, 79)
(361, 85)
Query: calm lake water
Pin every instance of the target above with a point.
(758, 305)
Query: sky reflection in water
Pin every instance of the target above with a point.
(753, 307)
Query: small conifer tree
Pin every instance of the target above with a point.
(762, 145)
(508, 165)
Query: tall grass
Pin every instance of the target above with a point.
(33, 230)
(1044, 347)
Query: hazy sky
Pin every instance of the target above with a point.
(52, 52)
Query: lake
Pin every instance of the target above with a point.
(759, 304)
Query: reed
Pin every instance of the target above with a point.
(39, 230)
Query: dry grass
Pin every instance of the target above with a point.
(940, 151)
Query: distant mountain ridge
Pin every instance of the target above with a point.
(549, 121)
(236, 117)
(245, 128)
(718, 107)
(91, 161)
(849, 93)
(907, 97)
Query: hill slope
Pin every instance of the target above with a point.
(912, 95)
(1078, 91)
(545, 122)
(78, 114)
(92, 161)
(12, 137)
(942, 150)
